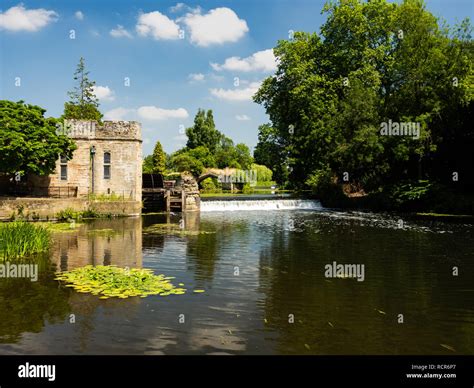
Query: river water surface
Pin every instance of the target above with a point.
(262, 266)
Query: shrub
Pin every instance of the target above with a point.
(67, 214)
(211, 185)
(321, 182)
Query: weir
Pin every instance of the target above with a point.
(262, 204)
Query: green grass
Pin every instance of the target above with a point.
(70, 214)
(20, 239)
(57, 227)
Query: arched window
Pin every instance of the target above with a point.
(63, 163)
(106, 165)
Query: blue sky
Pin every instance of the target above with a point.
(177, 58)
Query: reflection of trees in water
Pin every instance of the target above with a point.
(86, 308)
(204, 250)
(153, 242)
(26, 306)
(201, 249)
(399, 278)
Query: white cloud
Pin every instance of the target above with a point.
(146, 113)
(21, 19)
(118, 113)
(104, 93)
(120, 32)
(155, 113)
(157, 25)
(79, 15)
(259, 61)
(218, 26)
(178, 7)
(238, 94)
(182, 7)
(242, 117)
(196, 77)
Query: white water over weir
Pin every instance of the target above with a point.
(263, 204)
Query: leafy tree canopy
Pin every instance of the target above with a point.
(29, 142)
(372, 62)
(207, 147)
(147, 166)
(203, 132)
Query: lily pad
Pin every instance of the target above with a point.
(111, 281)
(173, 229)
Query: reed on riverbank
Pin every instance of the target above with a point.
(19, 239)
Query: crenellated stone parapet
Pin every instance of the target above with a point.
(107, 130)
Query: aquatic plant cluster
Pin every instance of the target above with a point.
(173, 229)
(111, 281)
(19, 239)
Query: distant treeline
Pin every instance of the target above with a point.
(206, 148)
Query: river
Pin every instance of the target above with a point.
(262, 265)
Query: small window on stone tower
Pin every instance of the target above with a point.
(106, 165)
(63, 163)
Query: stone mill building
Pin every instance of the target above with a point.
(107, 161)
(107, 164)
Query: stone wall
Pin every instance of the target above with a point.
(48, 208)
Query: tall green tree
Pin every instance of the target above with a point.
(30, 142)
(159, 159)
(225, 153)
(268, 152)
(208, 147)
(203, 132)
(243, 157)
(83, 103)
(371, 63)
